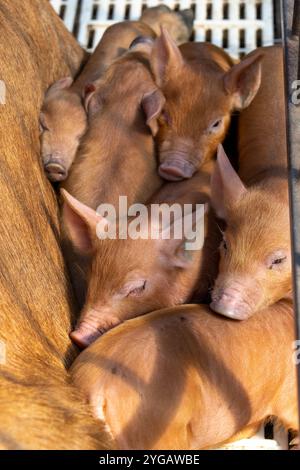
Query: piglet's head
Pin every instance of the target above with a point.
(196, 115)
(178, 23)
(63, 122)
(128, 277)
(255, 255)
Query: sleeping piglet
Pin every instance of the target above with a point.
(63, 118)
(255, 266)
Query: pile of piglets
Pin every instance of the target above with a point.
(146, 119)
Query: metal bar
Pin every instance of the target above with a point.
(291, 51)
(296, 19)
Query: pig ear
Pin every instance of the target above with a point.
(226, 186)
(80, 222)
(243, 80)
(142, 44)
(152, 104)
(166, 57)
(90, 100)
(60, 85)
(178, 252)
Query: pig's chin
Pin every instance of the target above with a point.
(231, 308)
(176, 170)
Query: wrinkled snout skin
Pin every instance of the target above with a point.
(93, 324)
(181, 157)
(236, 298)
(64, 122)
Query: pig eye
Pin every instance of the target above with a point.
(277, 262)
(138, 290)
(215, 127)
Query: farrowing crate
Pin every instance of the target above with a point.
(238, 26)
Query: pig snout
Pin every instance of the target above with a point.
(233, 301)
(176, 170)
(56, 172)
(93, 325)
(55, 168)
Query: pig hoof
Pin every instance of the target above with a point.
(56, 172)
(176, 171)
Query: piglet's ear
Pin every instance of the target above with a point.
(178, 251)
(90, 99)
(166, 58)
(142, 44)
(152, 104)
(226, 186)
(80, 222)
(60, 85)
(243, 80)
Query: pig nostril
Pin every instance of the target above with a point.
(56, 172)
(170, 174)
(225, 306)
(81, 340)
(176, 170)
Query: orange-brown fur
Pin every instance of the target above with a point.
(258, 221)
(117, 154)
(63, 115)
(190, 379)
(162, 16)
(171, 273)
(39, 408)
(193, 80)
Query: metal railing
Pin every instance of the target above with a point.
(237, 25)
(291, 40)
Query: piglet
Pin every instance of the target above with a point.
(202, 87)
(178, 23)
(192, 380)
(117, 154)
(255, 265)
(63, 118)
(133, 276)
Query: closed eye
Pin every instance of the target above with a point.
(277, 259)
(277, 262)
(137, 291)
(215, 126)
